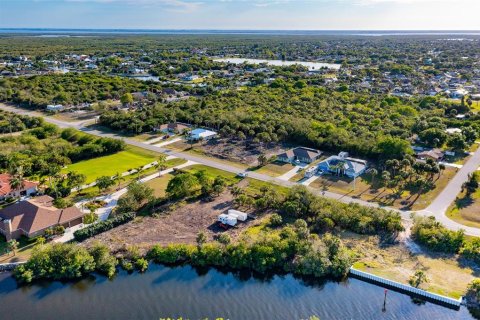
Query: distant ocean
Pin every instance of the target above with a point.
(76, 32)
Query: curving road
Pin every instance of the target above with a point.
(437, 208)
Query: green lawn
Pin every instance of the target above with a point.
(159, 184)
(231, 178)
(94, 192)
(275, 169)
(110, 165)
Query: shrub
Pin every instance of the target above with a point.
(105, 263)
(56, 262)
(275, 220)
(431, 233)
(103, 226)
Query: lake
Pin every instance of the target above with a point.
(280, 63)
(185, 292)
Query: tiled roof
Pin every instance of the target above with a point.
(5, 188)
(37, 214)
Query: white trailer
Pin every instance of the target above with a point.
(241, 216)
(227, 220)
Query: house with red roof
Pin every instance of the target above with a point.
(27, 189)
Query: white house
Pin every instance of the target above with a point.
(201, 134)
(342, 164)
(56, 107)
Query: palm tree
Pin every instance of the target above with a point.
(17, 182)
(119, 177)
(13, 246)
(161, 162)
(373, 172)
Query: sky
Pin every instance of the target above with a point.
(243, 14)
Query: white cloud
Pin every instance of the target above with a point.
(172, 5)
(373, 2)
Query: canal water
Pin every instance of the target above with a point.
(164, 292)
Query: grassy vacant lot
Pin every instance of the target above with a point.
(364, 190)
(159, 184)
(213, 172)
(466, 210)
(93, 191)
(447, 275)
(275, 169)
(110, 165)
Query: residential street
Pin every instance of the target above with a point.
(437, 208)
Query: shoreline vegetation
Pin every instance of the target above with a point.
(291, 242)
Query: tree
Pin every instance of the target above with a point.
(262, 159)
(182, 185)
(161, 162)
(393, 148)
(457, 142)
(373, 172)
(418, 278)
(75, 180)
(13, 246)
(40, 241)
(140, 192)
(104, 182)
(472, 184)
(201, 239)
(126, 99)
(433, 137)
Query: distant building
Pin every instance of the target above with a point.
(190, 78)
(173, 127)
(343, 165)
(434, 154)
(201, 134)
(32, 217)
(453, 130)
(55, 108)
(301, 154)
(28, 188)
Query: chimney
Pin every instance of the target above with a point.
(7, 227)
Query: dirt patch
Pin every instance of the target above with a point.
(243, 151)
(180, 225)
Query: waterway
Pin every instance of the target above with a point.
(310, 65)
(164, 292)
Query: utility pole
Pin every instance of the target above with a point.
(385, 301)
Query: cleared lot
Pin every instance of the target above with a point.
(180, 224)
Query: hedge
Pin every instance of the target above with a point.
(103, 226)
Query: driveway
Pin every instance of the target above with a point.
(290, 173)
(166, 143)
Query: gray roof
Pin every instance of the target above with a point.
(301, 152)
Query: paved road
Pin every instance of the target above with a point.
(438, 207)
(440, 204)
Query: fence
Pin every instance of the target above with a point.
(408, 289)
